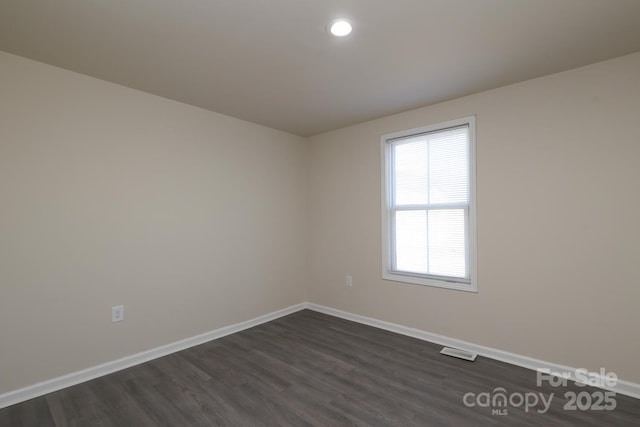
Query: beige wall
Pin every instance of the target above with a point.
(191, 219)
(194, 220)
(558, 187)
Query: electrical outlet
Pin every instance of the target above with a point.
(348, 281)
(117, 313)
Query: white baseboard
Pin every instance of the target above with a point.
(623, 387)
(78, 377)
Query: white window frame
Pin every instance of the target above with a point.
(387, 251)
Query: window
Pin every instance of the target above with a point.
(428, 209)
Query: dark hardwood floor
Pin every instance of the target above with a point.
(310, 369)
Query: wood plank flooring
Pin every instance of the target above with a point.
(308, 369)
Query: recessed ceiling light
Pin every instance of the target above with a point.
(340, 27)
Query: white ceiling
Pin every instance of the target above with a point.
(272, 62)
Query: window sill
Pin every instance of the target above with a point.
(407, 278)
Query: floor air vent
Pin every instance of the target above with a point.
(460, 354)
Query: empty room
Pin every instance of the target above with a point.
(319, 213)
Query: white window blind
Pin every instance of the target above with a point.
(428, 209)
